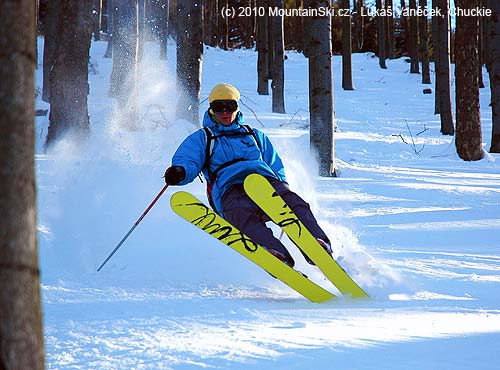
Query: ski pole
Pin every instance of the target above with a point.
(133, 227)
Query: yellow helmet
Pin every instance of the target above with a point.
(224, 92)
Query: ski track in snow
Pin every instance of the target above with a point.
(201, 340)
(418, 231)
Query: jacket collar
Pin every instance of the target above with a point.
(209, 121)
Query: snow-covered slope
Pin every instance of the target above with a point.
(412, 223)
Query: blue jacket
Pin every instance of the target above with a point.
(192, 151)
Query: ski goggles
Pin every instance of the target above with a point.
(221, 106)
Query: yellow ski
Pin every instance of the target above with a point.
(193, 210)
(263, 194)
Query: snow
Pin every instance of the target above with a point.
(413, 224)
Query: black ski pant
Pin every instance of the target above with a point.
(242, 212)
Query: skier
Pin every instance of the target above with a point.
(226, 150)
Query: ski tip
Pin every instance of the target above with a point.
(253, 176)
(178, 196)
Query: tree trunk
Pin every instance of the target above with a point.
(210, 22)
(278, 74)
(423, 45)
(163, 19)
(245, 25)
(488, 28)
(37, 13)
(294, 28)
(381, 35)
(35, 35)
(318, 51)
(101, 15)
(468, 138)
(263, 52)
(444, 70)
(346, 48)
(435, 56)
(69, 86)
(109, 31)
(271, 45)
(406, 28)
(189, 59)
(493, 52)
(96, 19)
(222, 25)
(481, 3)
(21, 334)
(390, 46)
(414, 67)
(358, 25)
(123, 85)
(49, 47)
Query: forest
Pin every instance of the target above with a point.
(470, 44)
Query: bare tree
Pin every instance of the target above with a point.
(49, 47)
(435, 55)
(278, 71)
(222, 25)
(493, 62)
(163, 19)
(390, 37)
(35, 35)
(263, 51)
(481, 43)
(358, 25)
(405, 25)
(381, 19)
(21, 336)
(109, 25)
(243, 28)
(189, 59)
(294, 27)
(69, 74)
(423, 44)
(96, 19)
(468, 138)
(318, 52)
(270, 55)
(123, 84)
(346, 48)
(444, 69)
(210, 23)
(37, 11)
(414, 67)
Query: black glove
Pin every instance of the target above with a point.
(174, 175)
